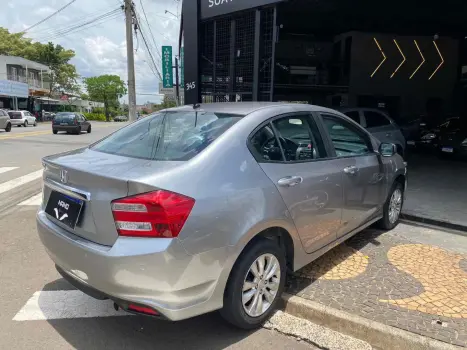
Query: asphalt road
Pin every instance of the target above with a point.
(42, 311)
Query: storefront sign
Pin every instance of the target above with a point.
(212, 8)
(13, 88)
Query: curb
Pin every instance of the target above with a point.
(376, 334)
(461, 229)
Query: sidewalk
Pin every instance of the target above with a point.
(398, 278)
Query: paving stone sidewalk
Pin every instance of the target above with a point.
(393, 280)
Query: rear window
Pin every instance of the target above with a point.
(176, 136)
(64, 117)
(15, 115)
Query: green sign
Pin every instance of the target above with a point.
(182, 66)
(167, 68)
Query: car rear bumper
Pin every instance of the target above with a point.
(68, 128)
(17, 121)
(158, 273)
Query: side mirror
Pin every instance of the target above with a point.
(387, 149)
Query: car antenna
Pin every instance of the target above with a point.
(196, 105)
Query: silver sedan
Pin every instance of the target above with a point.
(206, 207)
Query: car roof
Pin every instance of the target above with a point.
(244, 108)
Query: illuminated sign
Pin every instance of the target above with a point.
(404, 59)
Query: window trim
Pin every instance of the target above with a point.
(358, 129)
(308, 116)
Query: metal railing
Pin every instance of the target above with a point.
(22, 79)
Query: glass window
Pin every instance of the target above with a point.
(375, 119)
(64, 117)
(346, 140)
(15, 115)
(168, 136)
(264, 142)
(354, 115)
(299, 141)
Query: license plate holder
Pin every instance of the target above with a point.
(64, 209)
(64, 124)
(447, 149)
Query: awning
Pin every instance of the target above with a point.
(48, 100)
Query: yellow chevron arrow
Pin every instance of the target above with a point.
(403, 61)
(423, 60)
(384, 57)
(442, 61)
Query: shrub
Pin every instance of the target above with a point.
(95, 116)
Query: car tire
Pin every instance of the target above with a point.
(25, 123)
(8, 127)
(55, 131)
(89, 129)
(236, 307)
(393, 207)
(35, 124)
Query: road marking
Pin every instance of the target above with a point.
(19, 181)
(34, 200)
(7, 168)
(25, 134)
(52, 305)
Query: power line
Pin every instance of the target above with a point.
(85, 25)
(46, 18)
(150, 30)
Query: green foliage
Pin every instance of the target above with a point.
(63, 76)
(107, 89)
(95, 116)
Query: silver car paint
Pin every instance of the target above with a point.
(235, 200)
(4, 119)
(25, 116)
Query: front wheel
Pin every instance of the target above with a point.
(35, 124)
(255, 285)
(8, 127)
(393, 207)
(25, 123)
(89, 129)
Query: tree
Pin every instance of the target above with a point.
(107, 89)
(63, 76)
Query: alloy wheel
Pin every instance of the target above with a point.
(395, 205)
(261, 285)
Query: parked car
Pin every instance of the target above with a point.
(22, 118)
(5, 122)
(48, 116)
(70, 122)
(195, 209)
(452, 139)
(379, 124)
(121, 118)
(429, 138)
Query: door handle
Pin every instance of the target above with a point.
(351, 170)
(290, 181)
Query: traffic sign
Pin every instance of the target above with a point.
(167, 67)
(166, 91)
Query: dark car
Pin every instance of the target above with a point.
(452, 139)
(428, 137)
(70, 122)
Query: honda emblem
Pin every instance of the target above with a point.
(63, 176)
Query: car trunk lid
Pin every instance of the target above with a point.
(96, 177)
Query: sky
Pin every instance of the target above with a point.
(100, 47)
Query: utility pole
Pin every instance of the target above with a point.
(130, 60)
(177, 83)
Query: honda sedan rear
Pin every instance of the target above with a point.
(196, 209)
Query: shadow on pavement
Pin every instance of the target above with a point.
(138, 332)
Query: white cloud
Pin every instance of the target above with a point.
(100, 49)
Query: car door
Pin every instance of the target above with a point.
(379, 125)
(290, 150)
(362, 168)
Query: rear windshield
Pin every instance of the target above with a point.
(15, 115)
(168, 136)
(64, 117)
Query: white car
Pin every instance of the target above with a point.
(22, 118)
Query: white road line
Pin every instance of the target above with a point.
(7, 168)
(19, 181)
(34, 200)
(52, 305)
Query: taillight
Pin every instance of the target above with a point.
(142, 310)
(153, 214)
(75, 121)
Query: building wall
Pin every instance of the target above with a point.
(413, 92)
